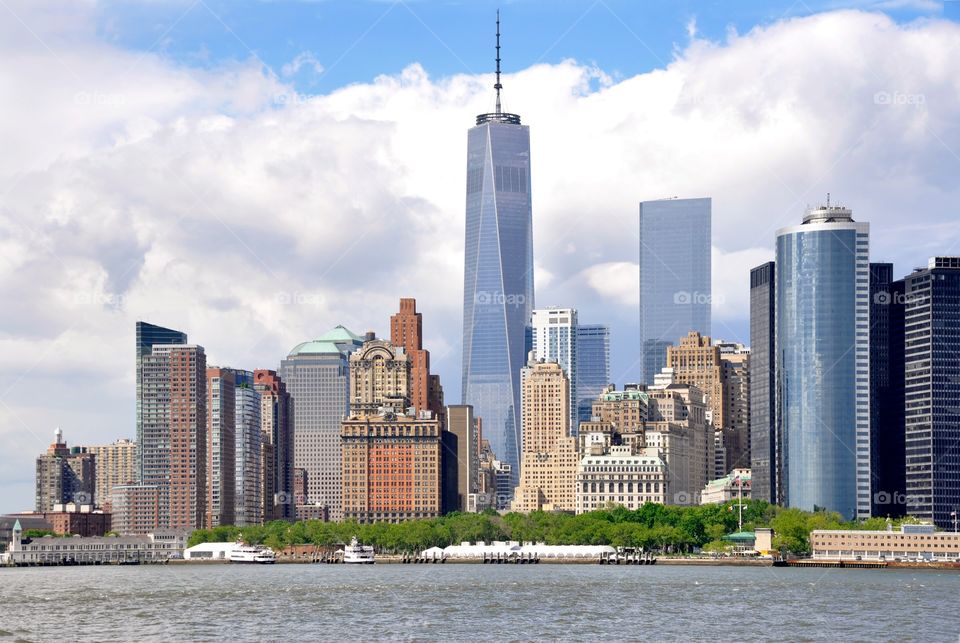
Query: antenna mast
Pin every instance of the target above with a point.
(498, 86)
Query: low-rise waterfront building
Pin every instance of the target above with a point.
(53, 550)
(80, 520)
(909, 543)
(735, 484)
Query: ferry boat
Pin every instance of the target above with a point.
(358, 554)
(244, 553)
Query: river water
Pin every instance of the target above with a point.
(476, 602)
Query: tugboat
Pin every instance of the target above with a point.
(244, 553)
(358, 554)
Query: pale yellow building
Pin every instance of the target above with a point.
(548, 456)
(678, 428)
(116, 464)
(379, 377)
(628, 475)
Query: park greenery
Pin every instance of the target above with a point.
(652, 527)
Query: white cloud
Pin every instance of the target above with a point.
(206, 199)
(303, 60)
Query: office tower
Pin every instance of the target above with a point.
(735, 376)
(625, 411)
(115, 464)
(317, 378)
(395, 458)
(392, 467)
(498, 274)
(931, 374)
(248, 504)
(553, 338)
(764, 451)
(64, 476)
(593, 367)
(623, 473)
(677, 427)
(462, 423)
(723, 380)
(276, 423)
(675, 291)
(549, 455)
(221, 446)
(406, 331)
(379, 377)
(887, 439)
(149, 335)
(823, 361)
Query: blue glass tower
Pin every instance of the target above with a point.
(593, 367)
(823, 361)
(675, 294)
(498, 274)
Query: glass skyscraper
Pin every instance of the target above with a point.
(675, 294)
(932, 390)
(763, 391)
(498, 275)
(593, 367)
(823, 361)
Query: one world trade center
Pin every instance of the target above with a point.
(498, 275)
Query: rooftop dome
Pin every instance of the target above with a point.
(340, 334)
(328, 343)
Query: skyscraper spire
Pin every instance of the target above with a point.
(498, 86)
(498, 115)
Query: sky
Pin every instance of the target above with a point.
(256, 172)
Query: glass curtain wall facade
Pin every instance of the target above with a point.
(823, 361)
(498, 277)
(763, 391)
(675, 291)
(887, 456)
(593, 367)
(932, 391)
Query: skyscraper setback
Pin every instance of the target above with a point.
(498, 273)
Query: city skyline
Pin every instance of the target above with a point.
(79, 320)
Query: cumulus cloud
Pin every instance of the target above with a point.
(222, 202)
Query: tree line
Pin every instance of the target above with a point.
(654, 527)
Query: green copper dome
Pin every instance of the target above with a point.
(340, 334)
(327, 344)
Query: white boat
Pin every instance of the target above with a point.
(243, 553)
(358, 554)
